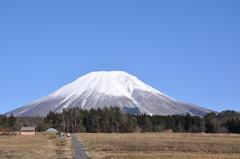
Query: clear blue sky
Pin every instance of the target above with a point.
(189, 50)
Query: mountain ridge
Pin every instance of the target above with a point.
(109, 88)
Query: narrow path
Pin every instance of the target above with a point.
(78, 149)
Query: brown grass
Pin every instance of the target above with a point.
(35, 147)
(161, 145)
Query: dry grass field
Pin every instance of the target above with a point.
(161, 145)
(40, 146)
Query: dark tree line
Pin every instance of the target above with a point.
(7, 123)
(110, 120)
(224, 122)
(114, 120)
(107, 120)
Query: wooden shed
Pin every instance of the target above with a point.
(28, 131)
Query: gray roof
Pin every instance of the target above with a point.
(28, 128)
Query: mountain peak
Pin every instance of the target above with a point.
(109, 88)
(115, 83)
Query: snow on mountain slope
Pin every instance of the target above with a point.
(114, 88)
(115, 83)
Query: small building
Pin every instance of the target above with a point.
(28, 131)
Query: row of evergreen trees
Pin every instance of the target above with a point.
(113, 120)
(7, 122)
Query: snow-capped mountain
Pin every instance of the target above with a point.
(104, 89)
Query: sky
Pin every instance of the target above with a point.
(188, 50)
